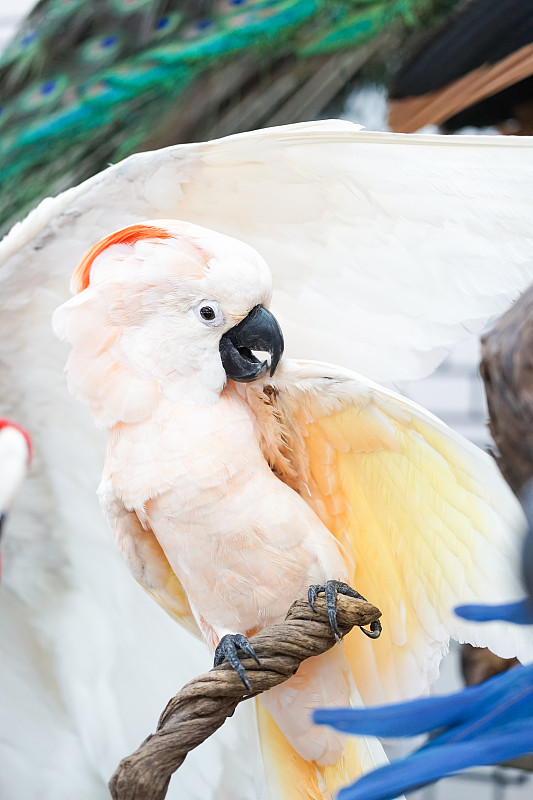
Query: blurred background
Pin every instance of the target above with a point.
(86, 82)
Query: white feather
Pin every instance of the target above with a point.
(14, 457)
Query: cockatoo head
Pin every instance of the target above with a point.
(178, 307)
(15, 456)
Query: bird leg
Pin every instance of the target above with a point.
(331, 589)
(226, 650)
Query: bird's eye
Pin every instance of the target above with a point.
(207, 313)
(210, 313)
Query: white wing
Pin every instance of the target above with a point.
(385, 250)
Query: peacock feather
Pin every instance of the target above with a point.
(85, 83)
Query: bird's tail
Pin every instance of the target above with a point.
(303, 761)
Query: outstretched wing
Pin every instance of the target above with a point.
(424, 518)
(386, 249)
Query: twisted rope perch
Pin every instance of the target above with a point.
(202, 706)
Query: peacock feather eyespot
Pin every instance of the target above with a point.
(48, 87)
(43, 93)
(101, 48)
(167, 24)
(25, 44)
(28, 38)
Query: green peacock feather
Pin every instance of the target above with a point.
(84, 83)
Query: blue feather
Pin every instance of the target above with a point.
(520, 612)
(485, 724)
(486, 701)
(425, 767)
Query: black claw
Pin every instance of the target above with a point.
(312, 594)
(331, 589)
(227, 651)
(375, 630)
(247, 647)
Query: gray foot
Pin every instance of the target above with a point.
(331, 589)
(227, 651)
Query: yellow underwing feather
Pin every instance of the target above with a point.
(289, 776)
(424, 519)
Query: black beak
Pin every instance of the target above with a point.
(257, 331)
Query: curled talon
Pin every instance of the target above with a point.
(312, 594)
(375, 629)
(226, 650)
(331, 589)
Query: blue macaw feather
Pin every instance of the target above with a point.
(400, 720)
(456, 711)
(520, 612)
(429, 765)
(485, 724)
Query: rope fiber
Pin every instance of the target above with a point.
(202, 706)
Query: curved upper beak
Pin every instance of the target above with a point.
(259, 330)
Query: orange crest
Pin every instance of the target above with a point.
(129, 235)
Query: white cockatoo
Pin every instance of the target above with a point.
(384, 250)
(15, 456)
